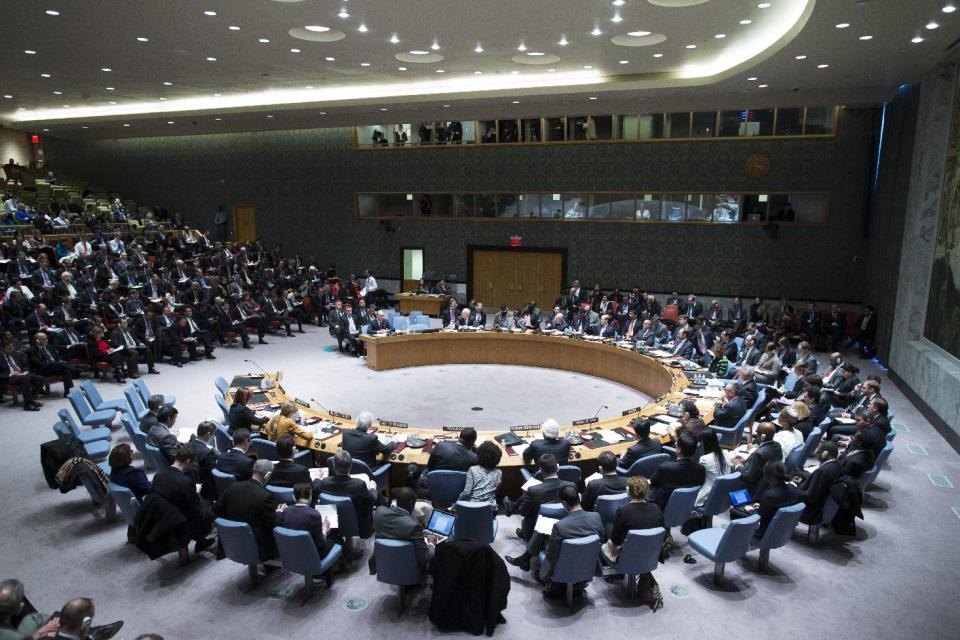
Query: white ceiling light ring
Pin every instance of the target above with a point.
(631, 40)
(329, 35)
(419, 57)
(677, 3)
(531, 58)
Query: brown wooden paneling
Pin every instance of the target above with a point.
(244, 223)
(514, 278)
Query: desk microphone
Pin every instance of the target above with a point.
(320, 405)
(266, 383)
(603, 406)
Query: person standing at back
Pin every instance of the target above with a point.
(220, 222)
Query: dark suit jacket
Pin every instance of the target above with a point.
(751, 472)
(250, 502)
(243, 417)
(451, 456)
(559, 447)
(204, 464)
(606, 485)
(287, 473)
(393, 523)
(160, 437)
(356, 490)
(643, 448)
(364, 446)
(749, 392)
(445, 316)
(529, 504)
(858, 462)
(772, 499)
(577, 524)
(237, 463)
(729, 414)
(816, 488)
(675, 474)
(181, 492)
(132, 478)
(635, 515)
(683, 350)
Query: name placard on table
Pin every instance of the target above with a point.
(342, 416)
(392, 424)
(577, 423)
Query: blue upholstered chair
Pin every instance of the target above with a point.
(800, 454)
(568, 472)
(283, 494)
(224, 409)
(156, 457)
(827, 514)
(576, 563)
(778, 532)
(640, 554)
(84, 435)
(445, 486)
(223, 480)
(145, 394)
(125, 501)
(725, 544)
(871, 475)
(553, 510)
(680, 506)
(135, 406)
(137, 437)
(298, 554)
(645, 466)
(97, 450)
(348, 525)
(399, 323)
(718, 500)
(223, 438)
(397, 565)
(101, 497)
(265, 449)
(87, 417)
(97, 403)
(607, 507)
(730, 436)
(380, 475)
(239, 544)
(222, 386)
(474, 521)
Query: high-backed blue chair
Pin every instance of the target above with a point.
(778, 531)
(417, 316)
(347, 523)
(553, 510)
(568, 472)
(397, 565)
(223, 408)
(135, 406)
(265, 449)
(84, 435)
(871, 475)
(790, 380)
(475, 521)
(97, 403)
(298, 554)
(730, 436)
(607, 507)
(145, 394)
(283, 494)
(679, 506)
(645, 466)
(125, 501)
(223, 439)
(101, 497)
(223, 480)
(727, 544)
(827, 514)
(156, 457)
(800, 454)
(239, 544)
(97, 450)
(445, 486)
(380, 475)
(640, 554)
(576, 563)
(399, 323)
(137, 437)
(420, 326)
(87, 417)
(304, 457)
(222, 386)
(718, 500)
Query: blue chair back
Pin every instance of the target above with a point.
(224, 441)
(445, 486)
(474, 521)
(223, 480)
(420, 326)
(739, 342)
(607, 507)
(884, 455)
(790, 381)
(156, 457)
(730, 436)
(396, 562)
(871, 475)
(679, 506)
(79, 404)
(125, 501)
(736, 539)
(569, 472)
(299, 554)
(223, 408)
(137, 408)
(222, 386)
(239, 543)
(645, 466)
(265, 449)
(891, 435)
(69, 421)
(641, 551)
(577, 561)
(780, 529)
(283, 494)
(553, 510)
(142, 389)
(415, 316)
(399, 323)
(138, 438)
(93, 396)
(799, 455)
(347, 523)
(61, 429)
(829, 511)
(718, 499)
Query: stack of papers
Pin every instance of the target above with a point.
(610, 436)
(532, 482)
(659, 429)
(544, 525)
(329, 512)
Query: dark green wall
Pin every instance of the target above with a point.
(303, 182)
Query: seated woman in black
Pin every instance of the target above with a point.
(123, 473)
(636, 514)
(241, 416)
(778, 493)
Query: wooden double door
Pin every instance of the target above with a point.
(514, 278)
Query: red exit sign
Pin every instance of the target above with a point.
(515, 241)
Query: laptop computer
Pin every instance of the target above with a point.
(740, 497)
(441, 524)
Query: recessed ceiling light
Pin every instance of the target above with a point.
(126, 124)
(822, 66)
(52, 12)
(563, 41)
(216, 95)
(514, 73)
(58, 93)
(588, 66)
(843, 25)
(162, 99)
(309, 86)
(446, 106)
(329, 58)
(478, 48)
(111, 102)
(751, 79)
(593, 97)
(440, 71)
(551, 70)
(168, 84)
(45, 130)
(211, 59)
(720, 36)
(401, 68)
(394, 39)
(109, 88)
(343, 13)
(142, 39)
(916, 40)
(269, 116)
(536, 53)
(263, 40)
(516, 102)
(364, 64)
(435, 46)
(322, 113)
(800, 57)
(932, 25)
(362, 28)
(691, 46)
(616, 18)
(44, 75)
(107, 69)
(478, 73)
(294, 50)
(638, 34)
(522, 47)
(207, 13)
(866, 37)
(658, 55)
(170, 122)
(618, 3)
(316, 28)
(84, 127)
(746, 21)
(949, 8)
(30, 52)
(236, 28)
(383, 108)
(418, 52)
(596, 32)
(218, 119)
(624, 62)
(763, 5)
(762, 86)
(8, 96)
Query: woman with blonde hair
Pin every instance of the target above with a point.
(282, 423)
(789, 437)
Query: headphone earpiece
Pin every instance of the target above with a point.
(86, 624)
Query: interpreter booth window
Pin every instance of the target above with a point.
(807, 208)
(577, 128)
(731, 123)
(678, 125)
(553, 129)
(699, 207)
(507, 131)
(469, 128)
(551, 206)
(449, 132)
(626, 127)
(612, 206)
(674, 208)
(396, 204)
(650, 126)
(598, 207)
(487, 130)
(434, 204)
(375, 135)
(704, 124)
(819, 121)
(531, 130)
(574, 207)
(507, 206)
(424, 133)
(789, 122)
(463, 205)
(727, 207)
(761, 122)
(755, 207)
(647, 207)
(368, 205)
(486, 205)
(529, 205)
(400, 134)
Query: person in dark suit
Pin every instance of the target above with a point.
(607, 484)
(339, 483)
(450, 315)
(636, 514)
(692, 309)
(154, 404)
(815, 489)
(395, 522)
(337, 321)
(578, 523)
(380, 324)
(286, 472)
(683, 472)
(14, 371)
(844, 392)
(301, 516)
(682, 347)
(241, 416)
(249, 501)
(454, 456)
(529, 507)
(866, 330)
(551, 443)
(778, 493)
(361, 444)
(733, 407)
(751, 469)
(235, 461)
(478, 317)
(858, 458)
(748, 386)
(160, 435)
(207, 458)
(45, 361)
(132, 350)
(645, 446)
(123, 473)
(176, 485)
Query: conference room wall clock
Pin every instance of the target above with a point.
(757, 165)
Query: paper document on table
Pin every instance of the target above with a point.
(532, 482)
(518, 449)
(659, 429)
(610, 436)
(319, 473)
(544, 525)
(384, 439)
(330, 512)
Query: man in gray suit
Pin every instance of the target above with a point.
(577, 524)
(160, 435)
(529, 507)
(396, 522)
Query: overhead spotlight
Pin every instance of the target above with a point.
(866, 37)
(763, 5)
(364, 64)
(401, 68)
(142, 39)
(168, 84)
(932, 25)
(800, 57)
(30, 52)
(362, 28)
(658, 55)
(478, 73)
(588, 66)
(624, 62)
(596, 32)
(752, 79)
(916, 40)
(263, 40)
(329, 58)
(211, 59)
(720, 36)
(746, 22)
(516, 102)
(522, 47)
(52, 12)
(435, 46)
(593, 97)
(563, 41)
(949, 8)
(822, 66)
(206, 13)
(638, 34)
(394, 39)
(616, 18)
(762, 86)
(843, 25)
(478, 48)
(618, 3)
(343, 13)
(316, 28)
(294, 50)
(691, 46)
(236, 28)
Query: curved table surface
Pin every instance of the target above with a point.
(647, 374)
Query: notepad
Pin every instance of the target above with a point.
(532, 482)
(545, 524)
(609, 436)
(319, 473)
(330, 512)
